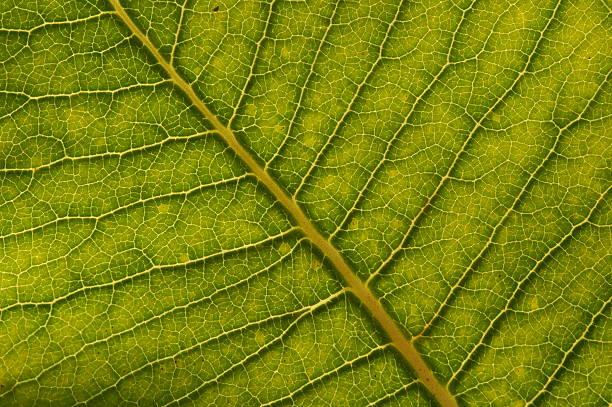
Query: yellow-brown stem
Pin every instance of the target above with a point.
(357, 287)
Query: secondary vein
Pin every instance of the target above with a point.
(398, 339)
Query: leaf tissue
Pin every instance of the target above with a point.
(305, 203)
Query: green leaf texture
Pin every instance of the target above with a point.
(305, 203)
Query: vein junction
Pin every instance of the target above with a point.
(355, 285)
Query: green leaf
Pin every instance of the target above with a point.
(312, 203)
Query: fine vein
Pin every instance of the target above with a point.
(355, 285)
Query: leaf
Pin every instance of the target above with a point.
(341, 203)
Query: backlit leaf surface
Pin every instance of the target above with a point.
(455, 155)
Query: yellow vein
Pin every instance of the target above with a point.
(354, 284)
(566, 354)
(521, 286)
(156, 317)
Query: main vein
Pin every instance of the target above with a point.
(356, 286)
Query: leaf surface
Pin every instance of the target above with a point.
(305, 203)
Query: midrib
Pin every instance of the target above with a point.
(355, 285)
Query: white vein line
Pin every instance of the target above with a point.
(103, 215)
(145, 321)
(304, 86)
(392, 394)
(566, 355)
(302, 313)
(349, 107)
(407, 117)
(130, 277)
(63, 22)
(335, 370)
(511, 209)
(12, 112)
(85, 92)
(256, 54)
(220, 253)
(178, 32)
(459, 154)
(67, 157)
(524, 281)
(162, 315)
